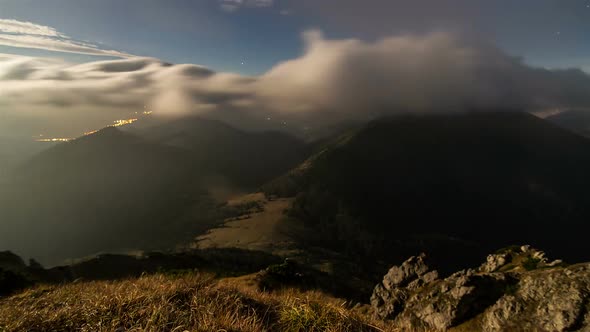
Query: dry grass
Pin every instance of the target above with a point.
(183, 303)
(261, 231)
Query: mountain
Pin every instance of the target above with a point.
(119, 191)
(577, 121)
(246, 158)
(15, 150)
(452, 185)
(107, 191)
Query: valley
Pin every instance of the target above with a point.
(262, 228)
(328, 217)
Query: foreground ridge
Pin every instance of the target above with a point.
(515, 289)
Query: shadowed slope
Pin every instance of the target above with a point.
(454, 185)
(110, 190)
(246, 159)
(577, 121)
(116, 190)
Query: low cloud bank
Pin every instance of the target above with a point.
(334, 80)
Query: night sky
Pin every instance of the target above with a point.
(261, 33)
(72, 66)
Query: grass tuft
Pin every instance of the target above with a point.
(186, 302)
(299, 315)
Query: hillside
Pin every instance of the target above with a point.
(577, 121)
(455, 186)
(194, 302)
(14, 151)
(117, 191)
(515, 289)
(108, 191)
(262, 227)
(246, 159)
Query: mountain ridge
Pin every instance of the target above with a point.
(524, 172)
(117, 190)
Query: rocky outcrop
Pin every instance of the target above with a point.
(544, 300)
(517, 259)
(516, 289)
(389, 297)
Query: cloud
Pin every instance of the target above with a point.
(378, 18)
(233, 5)
(433, 72)
(30, 35)
(28, 28)
(262, 3)
(333, 80)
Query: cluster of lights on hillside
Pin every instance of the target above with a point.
(120, 123)
(56, 139)
(116, 123)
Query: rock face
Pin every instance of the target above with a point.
(516, 289)
(545, 300)
(389, 297)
